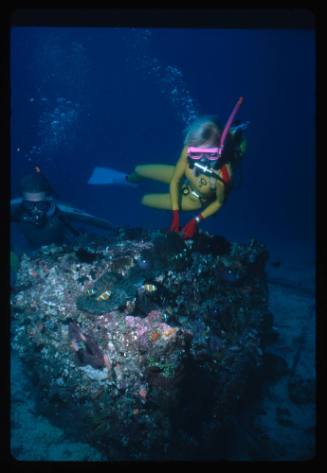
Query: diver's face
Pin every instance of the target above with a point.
(36, 205)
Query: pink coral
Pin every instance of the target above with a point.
(154, 315)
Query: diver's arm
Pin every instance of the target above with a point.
(191, 227)
(216, 204)
(211, 209)
(178, 174)
(226, 175)
(70, 213)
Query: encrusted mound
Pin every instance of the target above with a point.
(144, 344)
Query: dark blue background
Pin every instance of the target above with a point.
(125, 116)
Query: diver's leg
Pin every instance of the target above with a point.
(163, 201)
(190, 204)
(158, 172)
(133, 177)
(157, 201)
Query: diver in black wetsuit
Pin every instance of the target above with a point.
(42, 219)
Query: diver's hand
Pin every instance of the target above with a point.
(191, 227)
(174, 226)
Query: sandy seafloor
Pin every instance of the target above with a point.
(292, 302)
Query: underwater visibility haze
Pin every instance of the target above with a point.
(142, 343)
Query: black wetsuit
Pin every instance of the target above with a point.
(52, 230)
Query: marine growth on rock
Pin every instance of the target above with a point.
(132, 337)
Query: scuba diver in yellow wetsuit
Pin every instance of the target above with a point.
(200, 179)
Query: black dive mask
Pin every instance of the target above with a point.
(37, 212)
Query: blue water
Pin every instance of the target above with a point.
(119, 97)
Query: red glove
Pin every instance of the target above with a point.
(191, 227)
(174, 227)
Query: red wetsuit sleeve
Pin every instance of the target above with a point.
(225, 174)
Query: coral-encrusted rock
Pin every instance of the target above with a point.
(144, 346)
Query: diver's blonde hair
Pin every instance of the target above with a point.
(202, 130)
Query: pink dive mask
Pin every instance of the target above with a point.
(210, 156)
(197, 153)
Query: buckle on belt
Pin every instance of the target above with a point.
(187, 189)
(195, 194)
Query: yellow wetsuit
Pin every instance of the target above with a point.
(187, 192)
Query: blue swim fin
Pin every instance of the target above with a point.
(107, 176)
